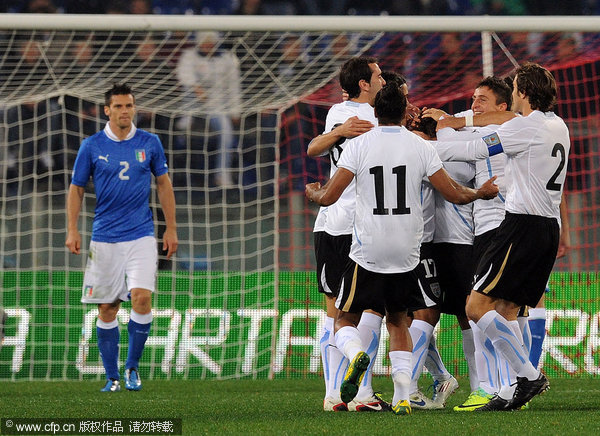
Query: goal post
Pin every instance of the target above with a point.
(240, 298)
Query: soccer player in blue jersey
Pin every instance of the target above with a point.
(122, 258)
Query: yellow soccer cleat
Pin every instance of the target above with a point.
(475, 400)
(402, 407)
(354, 376)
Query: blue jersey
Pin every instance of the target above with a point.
(121, 172)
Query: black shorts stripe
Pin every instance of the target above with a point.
(350, 298)
(492, 284)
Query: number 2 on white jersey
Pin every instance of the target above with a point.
(125, 166)
(558, 149)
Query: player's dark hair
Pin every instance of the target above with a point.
(353, 71)
(390, 105)
(426, 125)
(117, 89)
(500, 88)
(538, 85)
(392, 77)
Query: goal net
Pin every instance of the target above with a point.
(240, 299)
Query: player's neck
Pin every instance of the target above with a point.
(362, 98)
(120, 132)
(526, 110)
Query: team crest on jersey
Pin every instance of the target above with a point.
(88, 290)
(140, 155)
(493, 144)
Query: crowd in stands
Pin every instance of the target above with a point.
(307, 7)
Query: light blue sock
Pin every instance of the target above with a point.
(108, 345)
(138, 333)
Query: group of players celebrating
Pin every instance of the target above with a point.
(416, 222)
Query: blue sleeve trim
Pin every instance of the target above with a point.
(493, 144)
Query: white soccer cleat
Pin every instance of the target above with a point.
(443, 390)
(333, 405)
(418, 400)
(373, 404)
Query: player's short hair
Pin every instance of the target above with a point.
(353, 71)
(391, 77)
(117, 89)
(426, 125)
(500, 88)
(538, 85)
(390, 105)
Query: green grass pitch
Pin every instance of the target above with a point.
(294, 406)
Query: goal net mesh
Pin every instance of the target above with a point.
(240, 299)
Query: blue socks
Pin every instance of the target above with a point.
(138, 328)
(108, 345)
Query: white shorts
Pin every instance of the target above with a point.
(113, 269)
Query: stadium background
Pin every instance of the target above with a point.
(240, 300)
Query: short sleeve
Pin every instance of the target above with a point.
(349, 158)
(159, 161)
(82, 169)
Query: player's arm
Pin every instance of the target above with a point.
(329, 194)
(74, 202)
(564, 244)
(484, 119)
(456, 193)
(164, 189)
(352, 127)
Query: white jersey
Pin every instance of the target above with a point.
(537, 147)
(428, 204)
(389, 164)
(454, 222)
(487, 214)
(338, 218)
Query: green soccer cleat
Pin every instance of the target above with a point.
(476, 399)
(402, 407)
(354, 376)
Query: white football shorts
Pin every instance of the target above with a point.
(113, 269)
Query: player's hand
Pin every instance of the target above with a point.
(453, 122)
(488, 190)
(73, 242)
(345, 95)
(564, 244)
(354, 126)
(434, 113)
(170, 242)
(310, 189)
(412, 112)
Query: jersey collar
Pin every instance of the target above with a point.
(112, 136)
